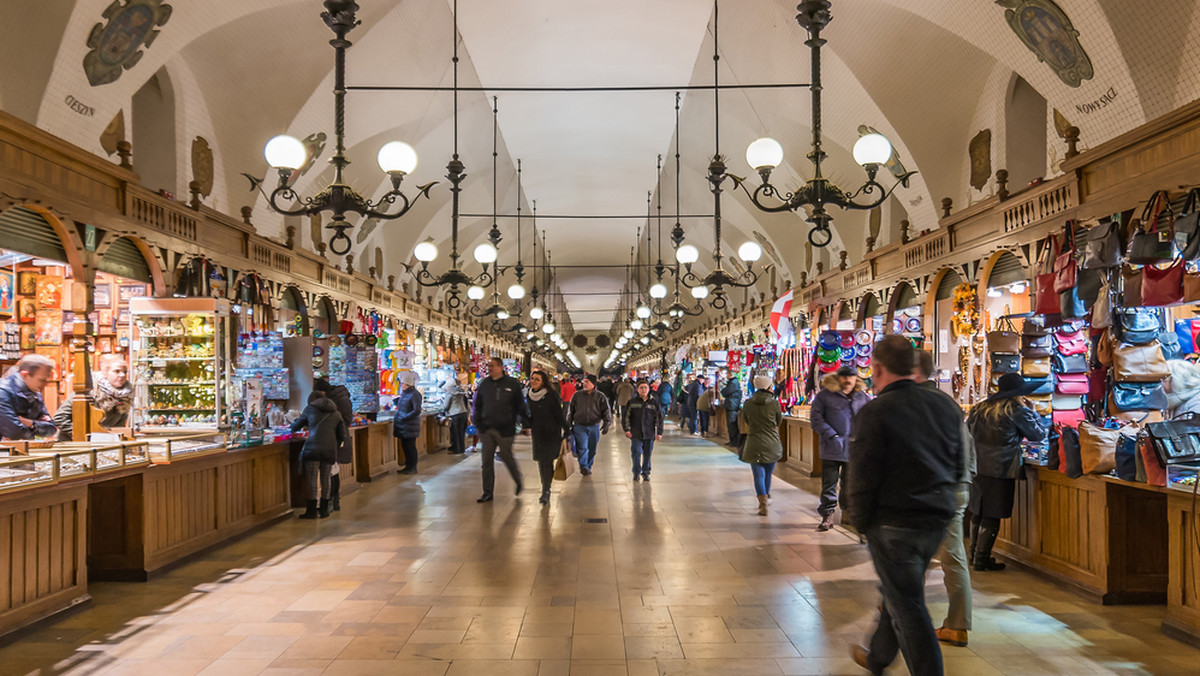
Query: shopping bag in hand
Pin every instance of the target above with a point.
(566, 464)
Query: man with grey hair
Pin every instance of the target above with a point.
(23, 413)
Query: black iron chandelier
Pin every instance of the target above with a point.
(289, 155)
(871, 151)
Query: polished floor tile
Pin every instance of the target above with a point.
(675, 577)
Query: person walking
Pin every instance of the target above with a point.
(326, 432)
(998, 425)
(642, 420)
(609, 389)
(588, 416)
(666, 394)
(625, 392)
(547, 425)
(905, 462)
(456, 412)
(692, 392)
(762, 447)
(731, 396)
(956, 567)
(567, 390)
(841, 397)
(704, 405)
(499, 406)
(406, 424)
(340, 397)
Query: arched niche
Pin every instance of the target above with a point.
(869, 308)
(131, 258)
(153, 133)
(323, 317)
(1025, 124)
(1004, 287)
(904, 304)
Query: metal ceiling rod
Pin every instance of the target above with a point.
(642, 88)
(584, 216)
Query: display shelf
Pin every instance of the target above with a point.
(144, 360)
(22, 472)
(1183, 477)
(167, 449)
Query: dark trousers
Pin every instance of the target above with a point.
(546, 472)
(493, 442)
(316, 475)
(704, 422)
(409, 445)
(731, 421)
(901, 556)
(458, 433)
(640, 450)
(685, 417)
(833, 479)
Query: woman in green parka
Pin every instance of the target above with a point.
(762, 448)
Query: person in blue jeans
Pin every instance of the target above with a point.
(691, 394)
(642, 420)
(762, 448)
(589, 416)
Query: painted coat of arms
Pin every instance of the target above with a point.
(1048, 33)
(118, 44)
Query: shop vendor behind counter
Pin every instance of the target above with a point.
(23, 413)
(112, 395)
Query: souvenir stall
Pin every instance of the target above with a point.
(354, 363)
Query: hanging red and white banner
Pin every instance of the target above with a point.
(780, 322)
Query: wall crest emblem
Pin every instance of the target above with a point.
(1048, 33)
(117, 45)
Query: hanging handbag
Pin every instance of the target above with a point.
(1041, 405)
(1124, 456)
(1153, 239)
(1035, 368)
(1042, 386)
(1037, 345)
(1131, 286)
(1070, 462)
(1098, 448)
(1187, 234)
(1191, 287)
(1138, 397)
(1102, 308)
(1088, 286)
(1097, 383)
(1005, 363)
(1068, 417)
(1136, 325)
(1070, 305)
(1139, 363)
(1069, 363)
(1073, 342)
(1045, 296)
(1065, 270)
(1163, 286)
(1071, 383)
(1156, 473)
(1005, 338)
(1102, 245)
(1175, 441)
(1185, 334)
(1066, 402)
(1168, 342)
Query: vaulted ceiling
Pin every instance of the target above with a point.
(929, 74)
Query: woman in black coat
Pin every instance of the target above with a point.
(547, 424)
(326, 432)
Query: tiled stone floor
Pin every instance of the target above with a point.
(414, 577)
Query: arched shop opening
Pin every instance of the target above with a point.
(323, 318)
(123, 273)
(845, 318)
(1004, 288)
(938, 313)
(292, 316)
(907, 319)
(871, 314)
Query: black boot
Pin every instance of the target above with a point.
(983, 549)
(335, 491)
(323, 512)
(310, 510)
(974, 531)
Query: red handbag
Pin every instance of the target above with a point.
(1097, 383)
(1071, 343)
(1069, 418)
(1071, 383)
(1163, 286)
(1046, 301)
(1065, 268)
(1156, 474)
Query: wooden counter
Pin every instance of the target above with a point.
(435, 435)
(144, 521)
(43, 570)
(374, 450)
(1183, 586)
(1105, 537)
(801, 445)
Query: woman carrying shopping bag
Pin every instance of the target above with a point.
(547, 424)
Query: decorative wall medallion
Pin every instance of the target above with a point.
(603, 341)
(114, 133)
(580, 340)
(980, 151)
(1048, 33)
(118, 45)
(202, 165)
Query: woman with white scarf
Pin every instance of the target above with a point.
(548, 426)
(112, 394)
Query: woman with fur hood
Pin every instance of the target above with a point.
(1184, 394)
(841, 397)
(326, 432)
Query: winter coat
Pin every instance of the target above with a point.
(326, 431)
(693, 391)
(905, 459)
(998, 442)
(406, 424)
(665, 394)
(832, 414)
(969, 464)
(705, 401)
(547, 423)
(625, 392)
(499, 405)
(16, 399)
(732, 392)
(456, 402)
(642, 417)
(762, 416)
(341, 398)
(589, 409)
(607, 387)
(567, 391)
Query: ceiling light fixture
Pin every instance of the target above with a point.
(288, 155)
(871, 150)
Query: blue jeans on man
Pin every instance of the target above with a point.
(901, 557)
(586, 437)
(640, 450)
(704, 418)
(693, 416)
(762, 477)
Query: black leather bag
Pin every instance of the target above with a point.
(1126, 456)
(1069, 363)
(1102, 245)
(1153, 240)
(1069, 439)
(1175, 441)
(1139, 396)
(1005, 363)
(1043, 386)
(1071, 304)
(1187, 226)
(1136, 325)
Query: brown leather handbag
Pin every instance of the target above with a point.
(1098, 448)
(1139, 363)
(1005, 338)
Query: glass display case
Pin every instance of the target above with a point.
(21, 472)
(1183, 476)
(432, 384)
(179, 356)
(164, 450)
(1036, 452)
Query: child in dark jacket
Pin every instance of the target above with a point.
(326, 432)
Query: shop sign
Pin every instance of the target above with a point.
(89, 237)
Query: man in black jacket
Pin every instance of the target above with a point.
(589, 416)
(731, 395)
(642, 420)
(499, 404)
(692, 393)
(905, 464)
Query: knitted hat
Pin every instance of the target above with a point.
(408, 378)
(764, 382)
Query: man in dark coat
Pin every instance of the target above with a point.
(692, 393)
(340, 397)
(499, 405)
(905, 464)
(731, 395)
(841, 397)
(642, 420)
(589, 416)
(23, 413)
